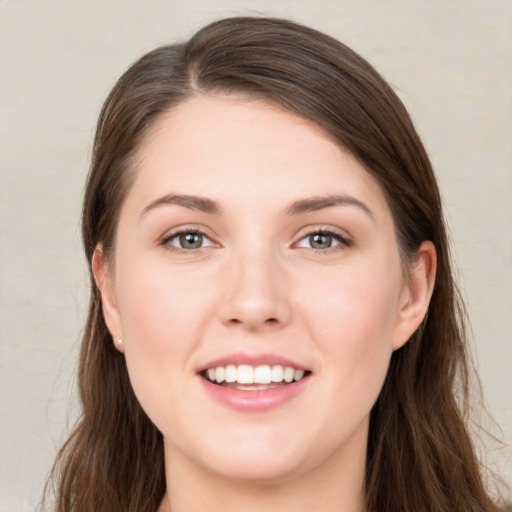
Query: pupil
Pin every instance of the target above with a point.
(191, 240)
(320, 241)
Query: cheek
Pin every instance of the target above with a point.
(358, 304)
(164, 316)
(352, 319)
(162, 310)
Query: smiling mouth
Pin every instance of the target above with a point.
(253, 378)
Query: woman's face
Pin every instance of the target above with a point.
(252, 250)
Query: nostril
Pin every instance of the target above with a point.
(268, 321)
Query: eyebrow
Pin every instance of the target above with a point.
(299, 207)
(196, 203)
(314, 204)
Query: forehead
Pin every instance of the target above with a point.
(232, 148)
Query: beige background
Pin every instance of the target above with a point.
(450, 61)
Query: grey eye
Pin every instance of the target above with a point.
(321, 241)
(189, 240)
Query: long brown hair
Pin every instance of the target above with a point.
(420, 456)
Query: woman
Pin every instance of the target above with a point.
(273, 320)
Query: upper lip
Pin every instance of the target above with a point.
(252, 360)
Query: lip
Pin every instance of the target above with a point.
(252, 360)
(259, 400)
(254, 401)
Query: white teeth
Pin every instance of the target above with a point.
(277, 373)
(231, 373)
(246, 374)
(289, 373)
(262, 375)
(220, 374)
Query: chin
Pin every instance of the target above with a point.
(269, 459)
(258, 470)
(253, 456)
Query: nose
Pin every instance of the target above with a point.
(256, 296)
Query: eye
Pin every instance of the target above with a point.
(188, 240)
(322, 240)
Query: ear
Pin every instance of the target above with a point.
(415, 297)
(105, 283)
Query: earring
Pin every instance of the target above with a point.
(119, 341)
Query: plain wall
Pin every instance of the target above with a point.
(449, 60)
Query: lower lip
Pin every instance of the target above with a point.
(255, 401)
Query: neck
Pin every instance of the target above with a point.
(333, 486)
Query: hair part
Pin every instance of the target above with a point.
(420, 456)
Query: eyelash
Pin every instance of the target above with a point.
(188, 231)
(343, 241)
(338, 237)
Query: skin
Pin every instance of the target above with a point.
(257, 286)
